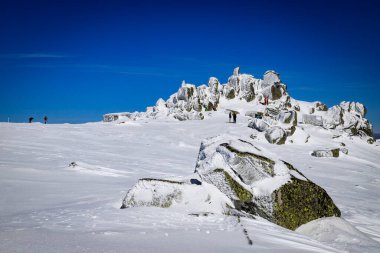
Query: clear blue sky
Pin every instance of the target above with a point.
(76, 60)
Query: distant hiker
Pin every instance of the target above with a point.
(234, 116)
(31, 119)
(229, 116)
(266, 100)
(45, 119)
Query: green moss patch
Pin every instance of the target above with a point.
(190, 92)
(231, 94)
(335, 152)
(243, 194)
(299, 202)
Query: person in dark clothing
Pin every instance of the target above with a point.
(229, 115)
(234, 116)
(31, 119)
(45, 119)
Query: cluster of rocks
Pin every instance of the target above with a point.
(329, 152)
(348, 116)
(280, 116)
(191, 102)
(235, 177)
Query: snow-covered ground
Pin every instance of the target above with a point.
(48, 206)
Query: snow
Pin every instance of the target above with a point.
(47, 206)
(338, 233)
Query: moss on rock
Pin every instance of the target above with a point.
(209, 107)
(335, 152)
(299, 202)
(243, 194)
(190, 92)
(371, 140)
(230, 94)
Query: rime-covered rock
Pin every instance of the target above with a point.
(275, 135)
(319, 106)
(198, 197)
(326, 153)
(260, 184)
(288, 117)
(314, 120)
(237, 176)
(192, 102)
(258, 124)
(333, 118)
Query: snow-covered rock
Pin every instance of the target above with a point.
(314, 120)
(191, 196)
(338, 233)
(275, 135)
(260, 184)
(288, 117)
(191, 102)
(326, 153)
(258, 124)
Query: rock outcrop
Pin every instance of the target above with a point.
(262, 185)
(268, 95)
(237, 177)
(327, 153)
(191, 196)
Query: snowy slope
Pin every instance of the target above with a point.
(48, 206)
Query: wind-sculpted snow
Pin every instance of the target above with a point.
(48, 206)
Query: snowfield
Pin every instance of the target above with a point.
(46, 205)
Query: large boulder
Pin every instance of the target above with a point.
(326, 153)
(275, 135)
(288, 117)
(258, 124)
(270, 78)
(333, 117)
(191, 196)
(260, 184)
(213, 84)
(315, 120)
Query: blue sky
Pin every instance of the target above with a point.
(76, 60)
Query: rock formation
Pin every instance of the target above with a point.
(237, 177)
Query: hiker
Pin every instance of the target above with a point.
(234, 116)
(229, 116)
(31, 119)
(45, 119)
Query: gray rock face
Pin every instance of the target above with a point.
(275, 135)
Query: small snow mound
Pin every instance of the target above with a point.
(338, 233)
